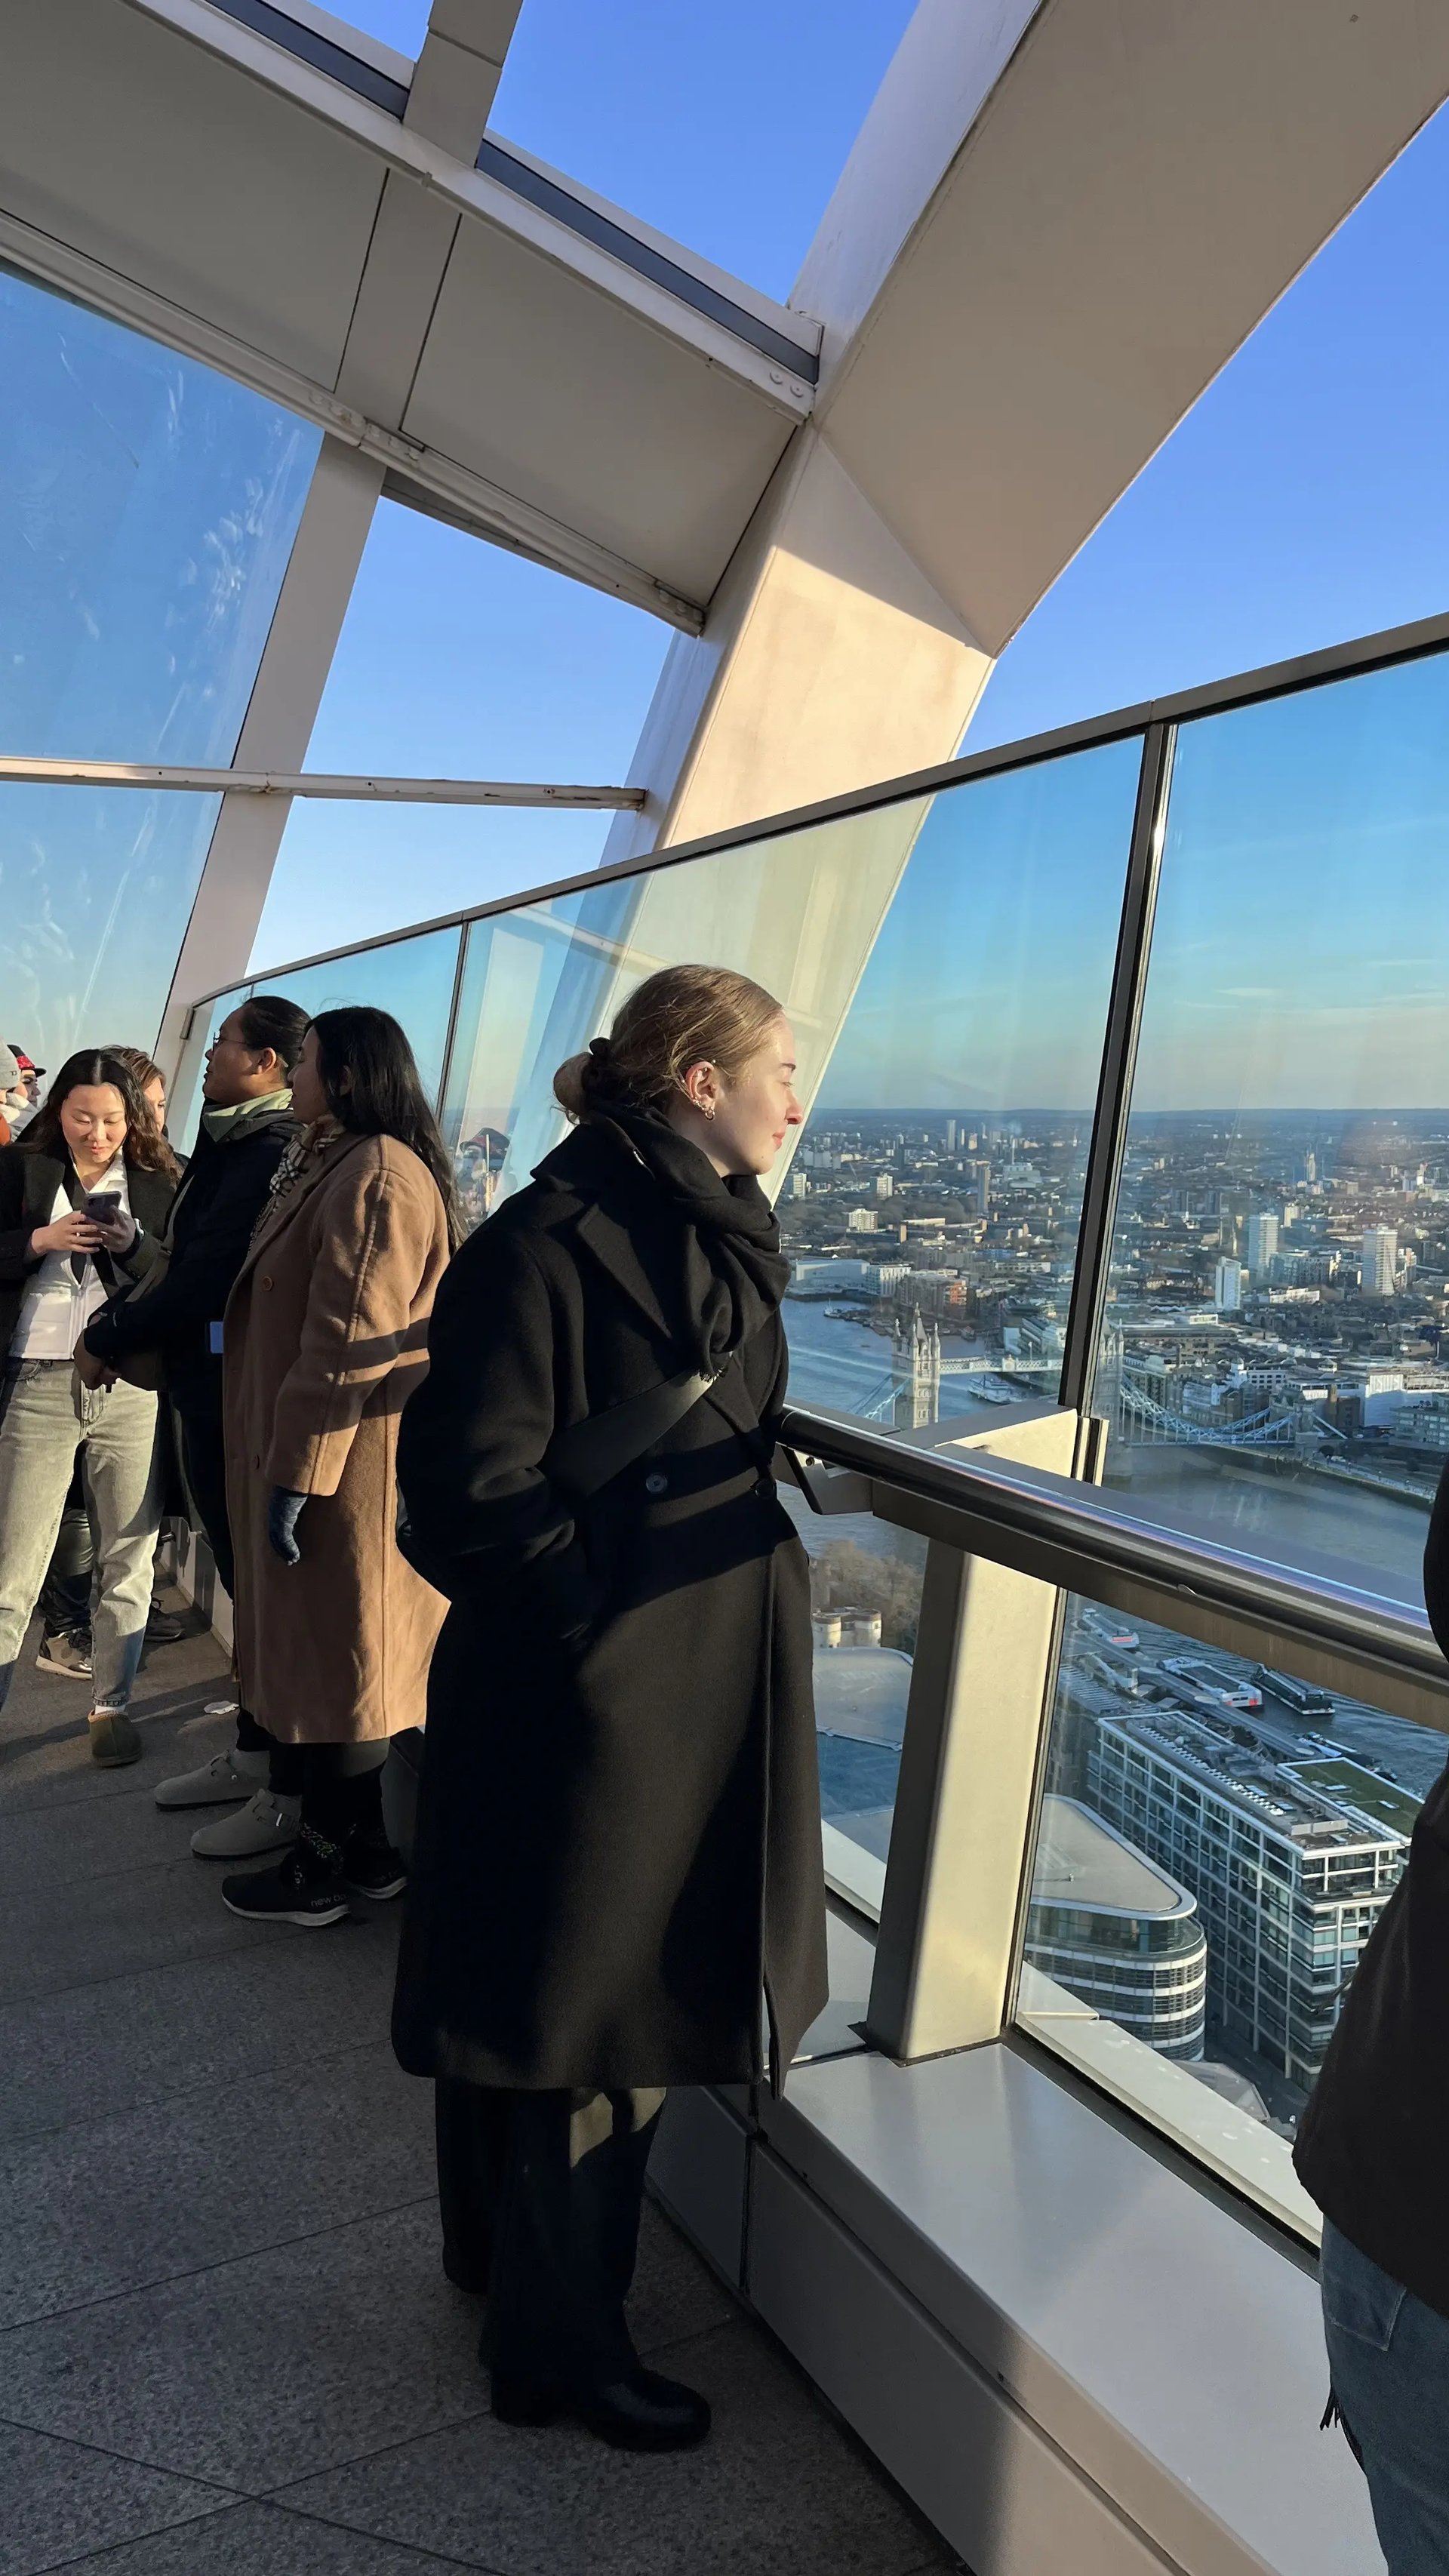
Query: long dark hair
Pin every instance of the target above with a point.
(144, 1148)
(385, 1096)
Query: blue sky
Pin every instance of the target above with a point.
(1303, 501)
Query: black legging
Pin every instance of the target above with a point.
(340, 1785)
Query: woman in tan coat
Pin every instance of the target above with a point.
(325, 1340)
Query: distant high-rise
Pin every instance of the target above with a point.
(950, 1135)
(885, 1187)
(1228, 1287)
(861, 1221)
(799, 1185)
(1380, 1260)
(1261, 1244)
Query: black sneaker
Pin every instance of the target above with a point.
(370, 1866)
(163, 1628)
(305, 1887)
(68, 1651)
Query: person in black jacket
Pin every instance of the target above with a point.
(82, 1197)
(616, 1879)
(1371, 2150)
(169, 1328)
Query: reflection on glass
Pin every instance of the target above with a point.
(147, 511)
(933, 1202)
(1271, 1363)
(1244, 1829)
(798, 912)
(865, 1599)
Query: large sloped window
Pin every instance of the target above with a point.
(147, 512)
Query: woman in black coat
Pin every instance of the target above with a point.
(617, 1884)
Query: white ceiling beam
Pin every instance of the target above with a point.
(473, 193)
(469, 499)
(455, 80)
(343, 788)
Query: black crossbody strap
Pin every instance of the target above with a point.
(588, 1455)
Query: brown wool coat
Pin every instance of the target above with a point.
(326, 1338)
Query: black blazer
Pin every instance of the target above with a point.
(28, 1184)
(221, 1195)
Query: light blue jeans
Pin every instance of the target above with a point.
(1389, 2356)
(46, 1415)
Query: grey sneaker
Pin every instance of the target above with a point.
(67, 1652)
(265, 1824)
(227, 1775)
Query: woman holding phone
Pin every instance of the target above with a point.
(91, 1174)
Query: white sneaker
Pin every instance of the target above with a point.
(266, 1823)
(228, 1775)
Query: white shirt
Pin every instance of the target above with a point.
(57, 1306)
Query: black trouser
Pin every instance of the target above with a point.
(201, 1447)
(340, 1785)
(541, 2195)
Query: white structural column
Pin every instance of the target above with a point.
(1058, 223)
(412, 241)
(279, 719)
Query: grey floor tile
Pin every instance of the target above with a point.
(53, 1940)
(62, 2498)
(128, 2040)
(264, 2370)
(777, 2485)
(45, 1748)
(151, 2194)
(44, 1850)
(261, 2540)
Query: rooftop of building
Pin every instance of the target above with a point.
(1283, 1799)
(1082, 1861)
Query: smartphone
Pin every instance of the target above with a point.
(101, 1206)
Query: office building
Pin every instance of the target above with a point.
(1289, 1867)
(1260, 1243)
(1380, 1260)
(1228, 1287)
(1117, 1931)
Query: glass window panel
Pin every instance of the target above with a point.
(1271, 1365)
(412, 978)
(353, 871)
(1217, 1842)
(147, 511)
(96, 885)
(933, 1202)
(458, 659)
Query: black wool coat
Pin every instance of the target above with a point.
(618, 1842)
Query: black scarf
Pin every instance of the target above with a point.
(734, 1273)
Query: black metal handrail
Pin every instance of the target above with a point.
(1066, 1532)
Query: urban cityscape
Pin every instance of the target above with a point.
(1217, 1840)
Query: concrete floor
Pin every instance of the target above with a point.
(226, 2345)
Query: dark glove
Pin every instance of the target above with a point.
(284, 1510)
